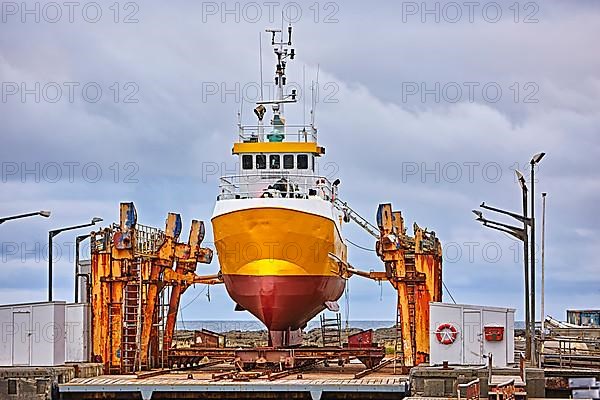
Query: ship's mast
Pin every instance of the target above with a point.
(283, 52)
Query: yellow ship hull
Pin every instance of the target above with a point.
(276, 263)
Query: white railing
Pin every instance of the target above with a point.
(291, 133)
(275, 185)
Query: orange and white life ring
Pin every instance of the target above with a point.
(446, 333)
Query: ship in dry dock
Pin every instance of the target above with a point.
(276, 225)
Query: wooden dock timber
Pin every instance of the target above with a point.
(333, 381)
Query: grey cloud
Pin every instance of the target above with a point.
(174, 132)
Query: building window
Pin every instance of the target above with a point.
(302, 161)
(261, 161)
(288, 161)
(12, 386)
(274, 161)
(246, 161)
(41, 385)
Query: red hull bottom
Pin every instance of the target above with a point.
(284, 302)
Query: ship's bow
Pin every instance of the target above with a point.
(276, 263)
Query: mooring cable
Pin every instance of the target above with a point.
(359, 246)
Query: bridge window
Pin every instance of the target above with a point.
(261, 161)
(247, 161)
(302, 161)
(274, 161)
(288, 161)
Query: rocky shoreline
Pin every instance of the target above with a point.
(313, 337)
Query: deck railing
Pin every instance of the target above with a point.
(503, 391)
(275, 185)
(291, 133)
(472, 390)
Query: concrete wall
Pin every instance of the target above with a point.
(439, 383)
(39, 383)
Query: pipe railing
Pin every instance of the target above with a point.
(291, 133)
(275, 186)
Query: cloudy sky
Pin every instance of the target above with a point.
(430, 106)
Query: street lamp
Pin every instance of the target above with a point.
(542, 311)
(51, 235)
(44, 214)
(529, 315)
(534, 161)
(499, 226)
(524, 193)
(78, 275)
(522, 235)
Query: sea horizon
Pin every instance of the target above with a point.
(221, 326)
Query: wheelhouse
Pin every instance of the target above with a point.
(277, 160)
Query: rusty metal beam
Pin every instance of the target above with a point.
(132, 265)
(275, 355)
(413, 266)
(368, 371)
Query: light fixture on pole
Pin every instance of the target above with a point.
(528, 332)
(44, 214)
(78, 275)
(521, 233)
(51, 235)
(534, 161)
(542, 311)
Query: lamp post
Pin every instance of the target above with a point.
(522, 235)
(78, 241)
(44, 214)
(528, 331)
(542, 311)
(534, 161)
(51, 235)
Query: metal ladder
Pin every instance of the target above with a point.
(131, 320)
(398, 343)
(114, 313)
(162, 311)
(410, 276)
(331, 330)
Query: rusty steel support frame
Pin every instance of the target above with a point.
(131, 267)
(284, 358)
(413, 266)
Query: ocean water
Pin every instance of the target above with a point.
(254, 325)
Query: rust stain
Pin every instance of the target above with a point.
(413, 266)
(557, 383)
(132, 265)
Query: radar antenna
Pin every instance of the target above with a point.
(283, 53)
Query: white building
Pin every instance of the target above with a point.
(466, 334)
(43, 334)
